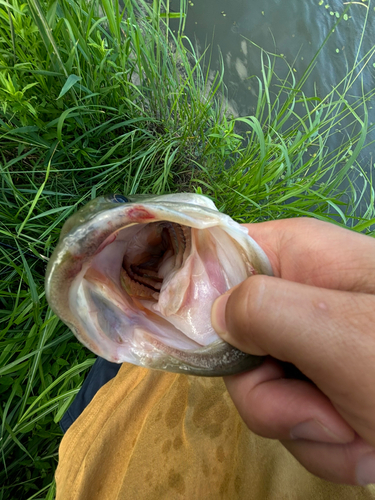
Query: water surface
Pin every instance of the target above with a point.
(296, 30)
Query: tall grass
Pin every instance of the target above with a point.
(96, 98)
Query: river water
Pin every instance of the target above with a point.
(296, 29)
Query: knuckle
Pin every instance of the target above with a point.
(245, 304)
(254, 294)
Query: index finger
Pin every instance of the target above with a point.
(318, 253)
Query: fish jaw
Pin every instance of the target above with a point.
(84, 289)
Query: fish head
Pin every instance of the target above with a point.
(135, 277)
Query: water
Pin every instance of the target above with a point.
(290, 27)
(297, 30)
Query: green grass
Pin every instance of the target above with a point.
(95, 99)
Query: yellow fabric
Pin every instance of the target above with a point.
(150, 435)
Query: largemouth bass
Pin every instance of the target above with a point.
(134, 278)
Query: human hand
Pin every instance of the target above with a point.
(320, 316)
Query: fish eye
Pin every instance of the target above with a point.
(119, 198)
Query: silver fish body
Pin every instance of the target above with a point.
(135, 278)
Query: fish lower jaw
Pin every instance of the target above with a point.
(216, 360)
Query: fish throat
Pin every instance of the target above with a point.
(158, 249)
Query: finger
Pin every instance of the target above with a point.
(352, 463)
(279, 408)
(318, 253)
(327, 334)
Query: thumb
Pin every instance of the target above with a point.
(327, 334)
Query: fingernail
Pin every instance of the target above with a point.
(365, 470)
(218, 315)
(315, 431)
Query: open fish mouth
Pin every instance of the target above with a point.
(151, 255)
(135, 279)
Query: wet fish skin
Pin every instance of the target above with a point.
(91, 307)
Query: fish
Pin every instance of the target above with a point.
(134, 278)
